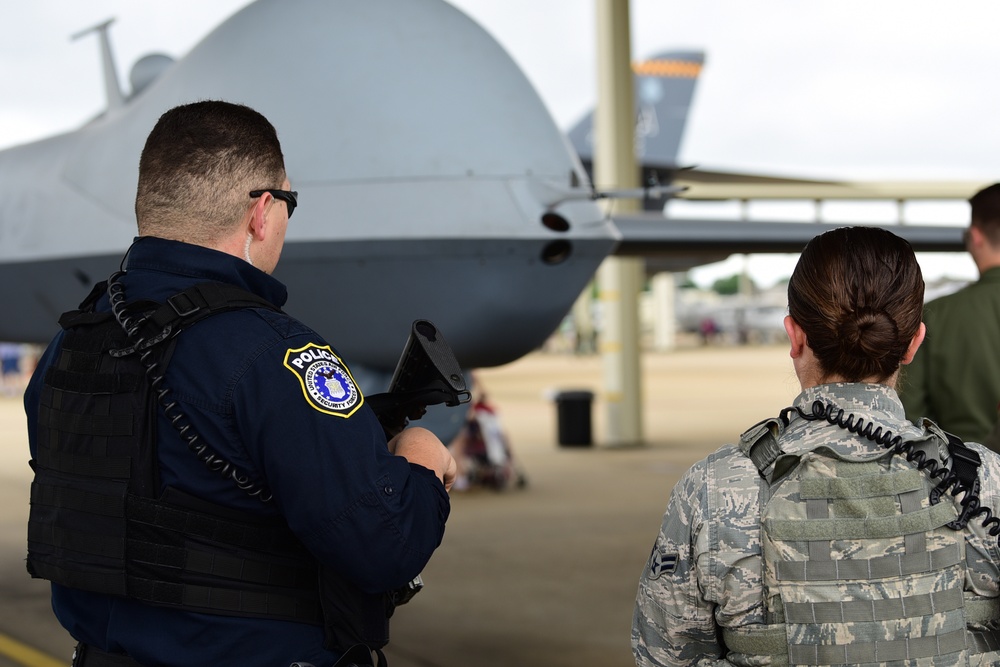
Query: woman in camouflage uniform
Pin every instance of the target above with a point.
(830, 534)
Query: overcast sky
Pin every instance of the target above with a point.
(854, 89)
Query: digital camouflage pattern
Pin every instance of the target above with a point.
(705, 575)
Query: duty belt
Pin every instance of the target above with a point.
(90, 656)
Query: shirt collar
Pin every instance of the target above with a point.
(878, 401)
(203, 264)
(875, 404)
(990, 275)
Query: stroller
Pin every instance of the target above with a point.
(489, 460)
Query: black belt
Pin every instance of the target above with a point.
(89, 656)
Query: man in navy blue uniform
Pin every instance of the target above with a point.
(291, 443)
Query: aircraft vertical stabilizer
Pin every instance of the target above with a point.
(664, 87)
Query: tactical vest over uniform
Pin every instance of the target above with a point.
(859, 566)
(99, 523)
(825, 555)
(359, 510)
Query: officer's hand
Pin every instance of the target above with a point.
(420, 446)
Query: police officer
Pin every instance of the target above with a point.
(211, 487)
(817, 539)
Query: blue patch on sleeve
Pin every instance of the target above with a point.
(326, 383)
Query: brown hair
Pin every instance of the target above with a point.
(985, 206)
(198, 166)
(858, 295)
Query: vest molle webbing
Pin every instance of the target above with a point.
(859, 567)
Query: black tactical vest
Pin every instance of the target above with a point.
(98, 521)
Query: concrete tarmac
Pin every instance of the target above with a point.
(544, 575)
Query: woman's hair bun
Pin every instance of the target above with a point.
(869, 333)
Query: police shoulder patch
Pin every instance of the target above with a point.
(326, 383)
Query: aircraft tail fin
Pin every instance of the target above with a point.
(664, 88)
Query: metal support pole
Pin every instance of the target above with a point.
(664, 309)
(620, 279)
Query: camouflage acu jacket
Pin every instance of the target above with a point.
(704, 574)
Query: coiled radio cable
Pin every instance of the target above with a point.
(132, 324)
(972, 507)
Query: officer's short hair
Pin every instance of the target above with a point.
(985, 206)
(198, 166)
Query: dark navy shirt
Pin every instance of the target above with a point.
(275, 399)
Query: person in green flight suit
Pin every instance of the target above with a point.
(955, 377)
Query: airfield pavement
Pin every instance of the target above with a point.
(544, 575)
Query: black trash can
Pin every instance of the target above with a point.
(573, 412)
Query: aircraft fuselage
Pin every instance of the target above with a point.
(424, 162)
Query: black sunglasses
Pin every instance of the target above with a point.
(290, 197)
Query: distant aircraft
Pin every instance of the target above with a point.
(433, 182)
(664, 88)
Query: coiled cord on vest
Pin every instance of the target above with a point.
(131, 325)
(971, 505)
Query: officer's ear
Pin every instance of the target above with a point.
(918, 338)
(257, 223)
(975, 235)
